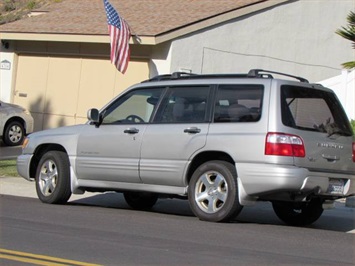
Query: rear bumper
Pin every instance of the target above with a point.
(23, 166)
(261, 179)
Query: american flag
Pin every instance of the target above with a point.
(119, 34)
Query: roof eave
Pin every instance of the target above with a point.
(21, 36)
(175, 33)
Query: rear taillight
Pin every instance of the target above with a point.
(284, 145)
(354, 152)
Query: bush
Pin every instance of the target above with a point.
(353, 125)
(9, 5)
(31, 5)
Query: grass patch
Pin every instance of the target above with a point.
(8, 168)
(31, 5)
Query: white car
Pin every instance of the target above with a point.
(15, 123)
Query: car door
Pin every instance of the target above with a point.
(178, 131)
(111, 151)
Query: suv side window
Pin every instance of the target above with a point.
(313, 110)
(238, 103)
(184, 105)
(135, 107)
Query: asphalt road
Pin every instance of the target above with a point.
(102, 230)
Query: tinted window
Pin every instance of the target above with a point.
(314, 110)
(238, 103)
(134, 107)
(184, 105)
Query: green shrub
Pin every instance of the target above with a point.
(353, 125)
(31, 4)
(9, 5)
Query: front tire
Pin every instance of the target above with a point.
(299, 214)
(14, 134)
(53, 178)
(213, 192)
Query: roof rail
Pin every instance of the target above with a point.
(174, 75)
(255, 73)
(184, 75)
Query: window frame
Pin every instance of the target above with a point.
(241, 85)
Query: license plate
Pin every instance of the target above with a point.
(336, 186)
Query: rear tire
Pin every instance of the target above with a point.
(14, 134)
(53, 178)
(213, 192)
(299, 214)
(140, 200)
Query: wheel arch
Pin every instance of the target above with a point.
(40, 150)
(205, 157)
(13, 119)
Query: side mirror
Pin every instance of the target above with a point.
(94, 116)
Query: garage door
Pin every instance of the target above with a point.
(58, 91)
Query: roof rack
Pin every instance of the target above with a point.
(184, 75)
(174, 75)
(253, 73)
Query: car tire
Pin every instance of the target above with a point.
(53, 178)
(14, 134)
(140, 200)
(213, 192)
(299, 214)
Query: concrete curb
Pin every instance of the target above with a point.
(14, 157)
(350, 202)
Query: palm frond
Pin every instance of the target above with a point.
(349, 34)
(351, 18)
(349, 65)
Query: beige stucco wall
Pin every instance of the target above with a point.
(59, 82)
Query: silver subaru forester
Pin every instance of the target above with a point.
(221, 141)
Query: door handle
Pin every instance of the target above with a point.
(192, 130)
(131, 130)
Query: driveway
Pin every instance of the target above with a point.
(7, 152)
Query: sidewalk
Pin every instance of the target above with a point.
(17, 186)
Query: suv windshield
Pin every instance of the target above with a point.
(313, 110)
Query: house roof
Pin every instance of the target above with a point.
(159, 20)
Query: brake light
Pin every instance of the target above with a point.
(284, 145)
(354, 152)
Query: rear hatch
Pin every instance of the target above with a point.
(316, 115)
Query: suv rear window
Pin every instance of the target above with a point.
(238, 103)
(313, 110)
